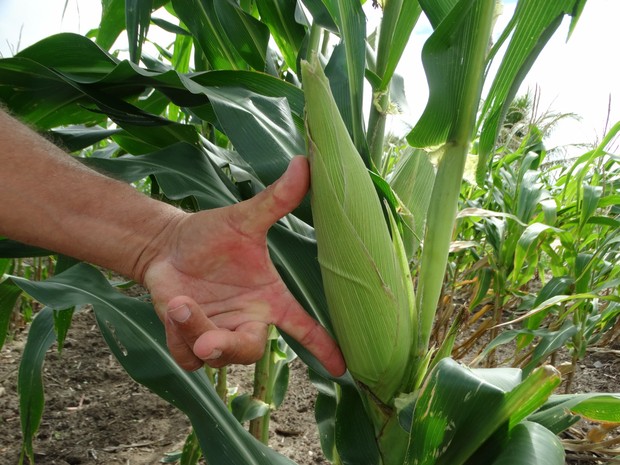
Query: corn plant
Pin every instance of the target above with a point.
(215, 132)
(580, 257)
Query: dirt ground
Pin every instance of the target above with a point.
(95, 414)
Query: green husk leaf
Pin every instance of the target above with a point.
(365, 283)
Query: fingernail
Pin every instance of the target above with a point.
(180, 314)
(216, 353)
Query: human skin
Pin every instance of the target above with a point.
(209, 273)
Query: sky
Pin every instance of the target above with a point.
(578, 76)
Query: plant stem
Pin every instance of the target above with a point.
(440, 222)
(381, 98)
(446, 190)
(263, 391)
(376, 126)
(314, 41)
(221, 387)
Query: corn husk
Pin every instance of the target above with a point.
(365, 275)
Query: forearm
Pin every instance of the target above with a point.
(52, 201)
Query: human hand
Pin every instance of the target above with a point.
(216, 290)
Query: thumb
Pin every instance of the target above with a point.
(258, 214)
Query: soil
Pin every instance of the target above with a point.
(95, 414)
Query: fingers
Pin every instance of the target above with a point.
(259, 213)
(314, 337)
(222, 347)
(185, 322)
(193, 339)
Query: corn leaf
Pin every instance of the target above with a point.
(41, 336)
(182, 170)
(354, 432)
(246, 408)
(412, 180)
(137, 339)
(351, 21)
(250, 38)
(562, 411)
(454, 51)
(201, 19)
(137, 20)
(550, 342)
(454, 397)
(532, 25)
(320, 14)
(112, 22)
(399, 19)
(526, 243)
(9, 293)
(287, 33)
(261, 129)
(530, 443)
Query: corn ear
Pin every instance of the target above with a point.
(367, 285)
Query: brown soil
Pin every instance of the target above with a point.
(95, 414)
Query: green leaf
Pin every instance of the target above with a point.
(245, 408)
(355, 437)
(70, 53)
(351, 22)
(601, 407)
(558, 285)
(365, 283)
(530, 192)
(62, 323)
(137, 20)
(556, 415)
(281, 371)
(41, 336)
(191, 450)
(437, 10)
(527, 242)
(261, 129)
(9, 293)
(530, 443)
(320, 14)
(182, 170)
(483, 284)
(531, 26)
(399, 19)
(287, 33)
(412, 180)
(454, 397)
(137, 339)
(172, 28)
(250, 37)
(324, 408)
(201, 19)
(71, 89)
(453, 58)
(589, 203)
(550, 343)
(111, 24)
(79, 137)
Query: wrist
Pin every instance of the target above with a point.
(159, 240)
